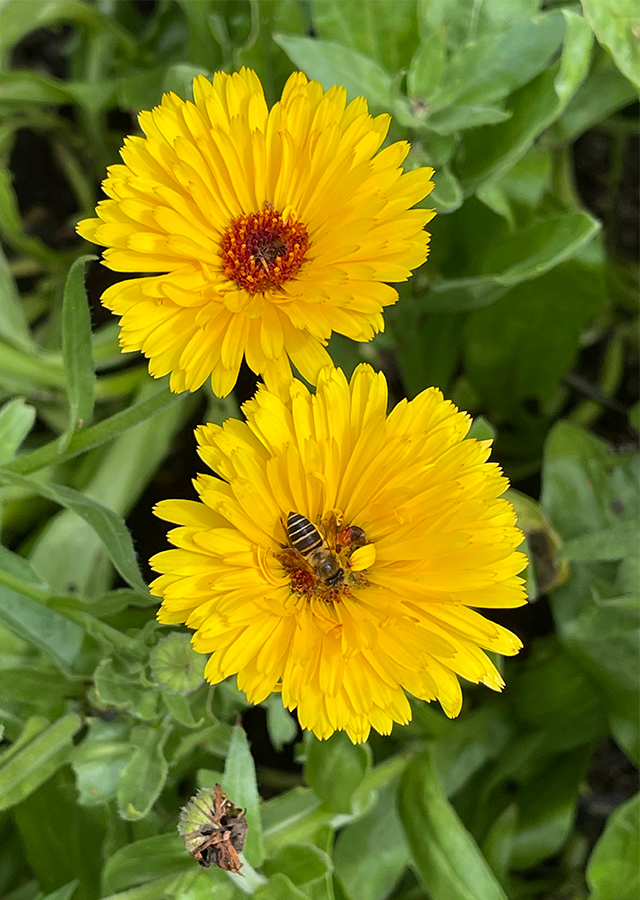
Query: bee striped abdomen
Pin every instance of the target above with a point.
(304, 536)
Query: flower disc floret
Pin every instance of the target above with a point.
(414, 515)
(261, 251)
(257, 232)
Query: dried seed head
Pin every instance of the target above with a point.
(214, 830)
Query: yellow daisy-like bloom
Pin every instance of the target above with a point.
(263, 230)
(412, 523)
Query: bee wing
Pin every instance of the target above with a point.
(329, 530)
(294, 559)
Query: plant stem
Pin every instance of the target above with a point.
(94, 436)
(23, 587)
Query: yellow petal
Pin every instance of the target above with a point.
(363, 558)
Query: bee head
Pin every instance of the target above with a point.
(329, 570)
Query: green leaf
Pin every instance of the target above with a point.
(604, 637)
(60, 840)
(12, 228)
(585, 487)
(540, 324)
(616, 24)
(13, 322)
(493, 196)
(427, 65)
(138, 90)
(380, 777)
(14, 25)
(281, 725)
(264, 56)
(458, 118)
(532, 251)
(383, 31)
(617, 542)
(464, 19)
(99, 760)
(109, 526)
(175, 665)
(208, 778)
(484, 71)
(32, 728)
(63, 893)
(145, 773)
(77, 351)
(427, 344)
(335, 768)
(179, 79)
(487, 152)
(124, 690)
(203, 46)
(158, 889)
(497, 846)
(96, 435)
(205, 885)
(371, 854)
(24, 769)
(604, 92)
(108, 638)
(482, 430)
(554, 696)
(292, 817)
(16, 421)
(24, 88)
(241, 787)
(478, 737)
(587, 490)
(27, 372)
(447, 194)
(517, 257)
(113, 602)
(614, 865)
(213, 739)
(70, 553)
(50, 632)
(38, 687)
(302, 863)
(445, 855)
(548, 807)
(16, 573)
(331, 64)
(180, 708)
(279, 888)
(144, 861)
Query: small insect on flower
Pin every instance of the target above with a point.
(340, 553)
(309, 543)
(214, 830)
(318, 559)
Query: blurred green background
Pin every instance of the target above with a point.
(526, 314)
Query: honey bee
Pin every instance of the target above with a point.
(307, 540)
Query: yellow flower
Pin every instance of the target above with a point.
(413, 518)
(262, 231)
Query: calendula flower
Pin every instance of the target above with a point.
(262, 230)
(340, 552)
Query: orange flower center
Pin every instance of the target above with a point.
(261, 251)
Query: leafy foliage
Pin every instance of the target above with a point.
(524, 315)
